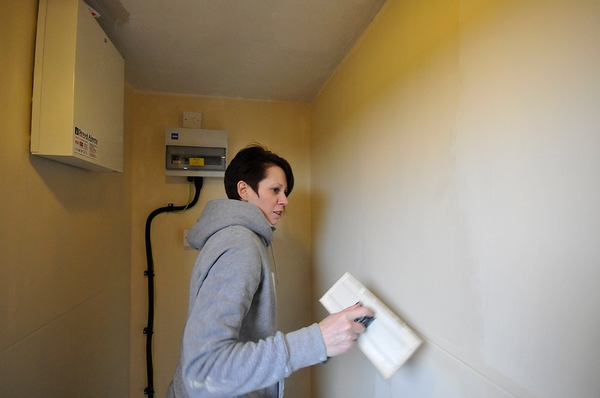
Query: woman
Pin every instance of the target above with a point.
(231, 347)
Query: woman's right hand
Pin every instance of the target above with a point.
(340, 331)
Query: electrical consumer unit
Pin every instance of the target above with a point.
(78, 89)
(195, 152)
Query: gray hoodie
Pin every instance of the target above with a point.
(231, 347)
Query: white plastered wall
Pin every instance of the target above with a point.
(455, 161)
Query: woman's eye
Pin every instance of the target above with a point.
(276, 190)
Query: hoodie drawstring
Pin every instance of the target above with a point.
(274, 263)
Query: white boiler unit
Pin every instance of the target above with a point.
(78, 89)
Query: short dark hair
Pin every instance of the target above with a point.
(250, 165)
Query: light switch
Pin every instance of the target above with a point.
(186, 244)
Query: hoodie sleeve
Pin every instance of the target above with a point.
(215, 363)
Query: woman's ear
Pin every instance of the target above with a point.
(242, 189)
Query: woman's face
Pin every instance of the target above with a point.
(270, 198)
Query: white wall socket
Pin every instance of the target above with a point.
(192, 120)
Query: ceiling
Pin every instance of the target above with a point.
(281, 50)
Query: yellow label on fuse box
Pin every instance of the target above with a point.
(196, 161)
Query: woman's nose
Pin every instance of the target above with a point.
(283, 200)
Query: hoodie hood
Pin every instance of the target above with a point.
(222, 213)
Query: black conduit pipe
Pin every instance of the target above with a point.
(148, 330)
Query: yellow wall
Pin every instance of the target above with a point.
(73, 295)
(65, 250)
(455, 159)
(281, 126)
